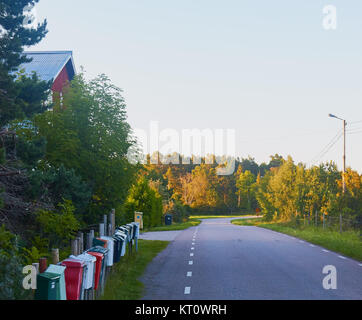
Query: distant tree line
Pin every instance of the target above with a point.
(280, 190)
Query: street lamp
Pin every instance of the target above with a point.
(344, 149)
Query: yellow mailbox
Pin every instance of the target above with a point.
(138, 217)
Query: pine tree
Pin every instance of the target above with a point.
(14, 36)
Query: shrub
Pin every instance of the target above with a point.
(58, 183)
(11, 275)
(31, 151)
(2, 155)
(59, 227)
(7, 241)
(180, 212)
(144, 199)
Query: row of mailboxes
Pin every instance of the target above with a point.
(73, 276)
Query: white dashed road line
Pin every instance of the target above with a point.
(341, 257)
(324, 250)
(312, 245)
(189, 273)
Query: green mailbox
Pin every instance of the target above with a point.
(48, 286)
(59, 270)
(98, 242)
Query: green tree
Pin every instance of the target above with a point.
(281, 186)
(275, 161)
(51, 184)
(88, 132)
(203, 187)
(244, 184)
(250, 165)
(16, 98)
(16, 34)
(144, 199)
(58, 227)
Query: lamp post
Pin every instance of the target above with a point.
(344, 150)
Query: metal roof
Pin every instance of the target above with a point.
(47, 64)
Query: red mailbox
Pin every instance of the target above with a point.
(73, 277)
(97, 274)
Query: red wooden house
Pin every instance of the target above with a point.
(57, 66)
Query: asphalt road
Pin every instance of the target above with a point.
(220, 261)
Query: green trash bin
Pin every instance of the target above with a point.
(168, 219)
(48, 286)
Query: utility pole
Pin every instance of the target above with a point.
(344, 151)
(344, 156)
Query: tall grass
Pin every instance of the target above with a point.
(123, 283)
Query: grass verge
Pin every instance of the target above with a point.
(176, 226)
(348, 243)
(123, 283)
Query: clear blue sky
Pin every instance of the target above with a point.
(265, 68)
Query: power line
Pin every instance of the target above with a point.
(339, 137)
(354, 122)
(354, 129)
(328, 147)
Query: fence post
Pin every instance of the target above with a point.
(90, 238)
(110, 229)
(105, 224)
(113, 221)
(101, 229)
(340, 223)
(36, 265)
(81, 242)
(316, 218)
(43, 264)
(89, 241)
(55, 256)
(73, 246)
(110, 223)
(111, 226)
(323, 220)
(78, 246)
